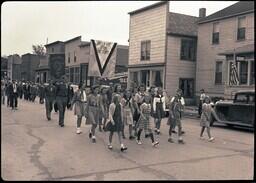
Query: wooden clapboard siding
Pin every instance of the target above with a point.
(176, 68)
(148, 25)
(207, 54)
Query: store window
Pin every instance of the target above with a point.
(187, 87)
(145, 77)
(157, 78)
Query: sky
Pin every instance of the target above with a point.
(26, 23)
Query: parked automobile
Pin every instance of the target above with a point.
(239, 111)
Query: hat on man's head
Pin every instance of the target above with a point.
(202, 90)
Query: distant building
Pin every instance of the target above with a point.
(14, 67)
(42, 72)
(224, 37)
(4, 67)
(30, 63)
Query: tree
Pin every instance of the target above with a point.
(39, 50)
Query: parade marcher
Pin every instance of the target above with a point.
(50, 95)
(207, 110)
(138, 98)
(145, 120)
(110, 92)
(128, 109)
(104, 107)
(201, 100)
(115, 118)
(26, 90)
(152, 96)
(20, 90)
(3, 91)
(93, 109)
(33, 91)
(159, 109)
(14, 95)
(8, 93)
(175, 116)
(80, 101)
(61, 99)
(70, 96)
(41, 91)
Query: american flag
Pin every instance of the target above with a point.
(234, 80)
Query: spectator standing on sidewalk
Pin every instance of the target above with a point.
(3, 91)
(201, 100)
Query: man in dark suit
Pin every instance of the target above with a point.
(50, 92)
(61, 99)
(14, 95)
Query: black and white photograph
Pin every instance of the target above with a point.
(127, 90)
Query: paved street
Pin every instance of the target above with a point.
(36, 149)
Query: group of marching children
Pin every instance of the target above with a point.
(112, 110)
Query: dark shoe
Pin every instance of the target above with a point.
(131, 137)
(182, 132)
(61, 125)
(124, 137)
(123, 148)
(93, 140)
(173, 131)
(146, 136)
(170, 140)
(180, 141)
(48, 118)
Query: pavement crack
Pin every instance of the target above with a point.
(35, 157)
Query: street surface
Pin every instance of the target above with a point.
(36, 149)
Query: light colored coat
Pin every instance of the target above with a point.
(80, 107)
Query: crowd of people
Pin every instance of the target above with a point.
(110, 108)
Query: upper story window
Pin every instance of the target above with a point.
(241, 28)
(188, 49)
(68, 57)
(218, 73)
(74, 56)
(216, 33)
(145, 50)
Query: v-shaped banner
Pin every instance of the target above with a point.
(102, 59)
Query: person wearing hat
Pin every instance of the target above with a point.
(93, 109)
(50, 95)
(80, 101)
(61, 99)
(14, 95)
(207, 110)
(201, 100)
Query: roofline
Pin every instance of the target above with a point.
(225, 17)
(73, 39)
(180, 35)
(147, 7)
(184, 14)
(56, 42)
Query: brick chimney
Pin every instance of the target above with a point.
(202, 12)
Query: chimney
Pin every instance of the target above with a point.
(202, 12)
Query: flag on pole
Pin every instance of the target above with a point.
(234, 79)
(102, 59)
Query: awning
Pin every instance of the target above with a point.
(240, 50)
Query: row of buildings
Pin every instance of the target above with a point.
(192, 53)
(170, 50)
(31, 67)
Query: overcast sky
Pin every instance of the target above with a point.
(27, 23)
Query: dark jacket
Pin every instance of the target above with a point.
(61, 90)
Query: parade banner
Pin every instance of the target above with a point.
(102, 59)
(57, 66)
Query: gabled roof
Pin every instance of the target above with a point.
(148, 7)
(56, 42)
(181, 24)
(236, 9)
(73, 39)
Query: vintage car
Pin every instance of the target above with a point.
(239, 111)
